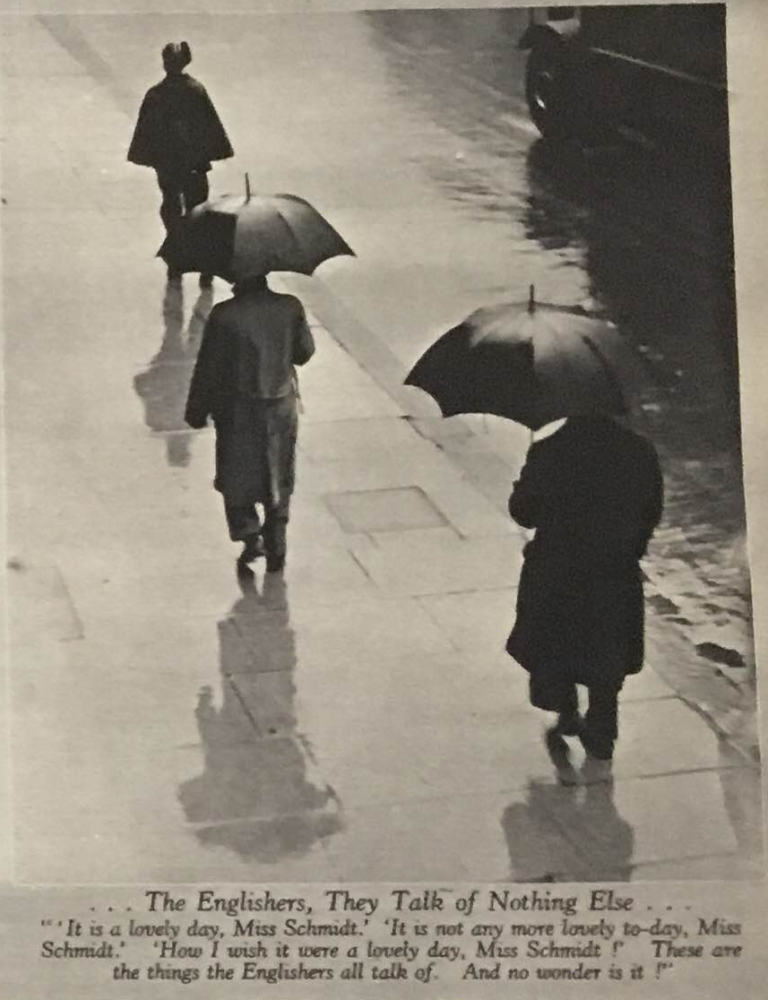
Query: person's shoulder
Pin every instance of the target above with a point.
(193, 84)
(155, 91)
(220, 311)
(287, 301)
(639, 446)
(541, 451)
(641, 441)
(552, 443)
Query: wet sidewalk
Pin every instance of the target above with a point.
(355, 718)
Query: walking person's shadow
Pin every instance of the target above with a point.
(257, 795)
(164, 384)
(600, 841)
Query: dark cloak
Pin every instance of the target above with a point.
(594, 492)
(178, 129)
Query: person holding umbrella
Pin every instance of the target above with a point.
(245, 376)
(178, 134)
(245, 379)
(592, 490)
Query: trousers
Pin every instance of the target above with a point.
(244, 521)
(181, 193)
(601, 721)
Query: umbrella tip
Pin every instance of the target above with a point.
(531, 299)
(247, 188)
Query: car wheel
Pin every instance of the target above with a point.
(545, 93)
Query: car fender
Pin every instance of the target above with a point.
(541, 36)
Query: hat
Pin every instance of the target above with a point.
(176, 55)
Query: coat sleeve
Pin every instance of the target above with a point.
(525, 502)
(303, 341)
(208, 378)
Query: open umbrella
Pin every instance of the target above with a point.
(241, 237)
(532, 362)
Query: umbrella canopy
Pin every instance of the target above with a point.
(531, 362)
(243, 237)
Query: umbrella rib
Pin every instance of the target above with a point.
(570, 366)
(617, 385)
(291, 233)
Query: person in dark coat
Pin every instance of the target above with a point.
(245, 380)
(593, 491)
(178, 134)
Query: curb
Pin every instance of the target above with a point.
(728, 708)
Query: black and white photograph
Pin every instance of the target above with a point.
(374, 495)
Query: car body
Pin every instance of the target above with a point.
(653, 72)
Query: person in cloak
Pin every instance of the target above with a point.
(178, 133)
(593, 490)
(245, 380)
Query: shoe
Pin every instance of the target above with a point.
(560, 756)
(253, 548)
(206, 281)
(596, 771)
(275, 563)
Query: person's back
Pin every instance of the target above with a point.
(245, 379)
(269, 329)
(594, 491)
(597, 489)
(178, 102)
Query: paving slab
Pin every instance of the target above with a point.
(440, 563)
(634, 822)
(494, 838)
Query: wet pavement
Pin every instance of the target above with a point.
(344, 721)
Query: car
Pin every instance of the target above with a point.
(652, 73)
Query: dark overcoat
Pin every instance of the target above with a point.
(178, 129)
(594, 492)
(245, 380)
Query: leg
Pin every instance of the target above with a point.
(555, 694)
(244, 526)
(171, 209)
(242, 521)
(601, 722)
(275, 530)
(568, 720)
(172, 206)
(196, 191)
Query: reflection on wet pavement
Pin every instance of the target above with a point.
(648, 240)
(163, 385)
(575, 807)
(257, 795)
(619, 831)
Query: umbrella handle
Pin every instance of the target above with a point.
(247, 188)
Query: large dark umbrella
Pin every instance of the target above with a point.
(241, 237)
(532, 362)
